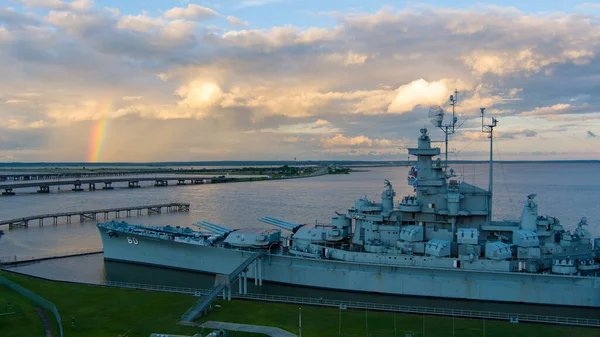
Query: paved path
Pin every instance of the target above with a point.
(266, 330)
(45, 321)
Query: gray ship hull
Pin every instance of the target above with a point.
(349, 276)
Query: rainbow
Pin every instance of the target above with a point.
(99, 132)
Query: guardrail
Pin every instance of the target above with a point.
(423, 310)
(153, 287)
(513, 317)
(42, 302)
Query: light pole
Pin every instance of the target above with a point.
(484, 327)
(299, 322)
(340, 321)
(452, 325)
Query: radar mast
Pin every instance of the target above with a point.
(436, 116)
(489, 128)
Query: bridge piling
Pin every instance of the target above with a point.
(91, 186)
(77, 187)
(133, 184)
(161, 183)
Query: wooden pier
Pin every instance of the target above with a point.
(94, 214)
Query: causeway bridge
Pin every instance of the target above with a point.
(106, 183)
(74, 175)
(93, 214)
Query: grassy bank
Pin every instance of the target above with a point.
(104, 311)
(319, 321)
(98, 311)
(25, 321)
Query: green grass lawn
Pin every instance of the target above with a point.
(319, 321)
(98, 311)
(103, 311)
(26, 321)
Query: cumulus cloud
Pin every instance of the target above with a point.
(419, 92)
(363, 84)
(526, 60)
(348, 59)
(559, 109)
(343, 141)
(191, 12)
(78, 5)
(236, 22)
(132, 98)
(139, 23)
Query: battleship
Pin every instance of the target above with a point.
(439, 242)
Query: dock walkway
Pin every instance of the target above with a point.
(93, 214)
(205, 301)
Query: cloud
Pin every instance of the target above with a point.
(191, 12)
(347, 59)
(132, 98)
(524, 133)
(588, 6)
(345, 89)
(419, 92)
(236, 22)
(257, 3)
(198, 94)
(318, 127)
(523, 61)
(559, 109)
(75, 5)
(343, 141)
(139, 23)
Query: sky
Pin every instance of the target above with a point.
(142, 81)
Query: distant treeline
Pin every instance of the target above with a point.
(270, 163)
